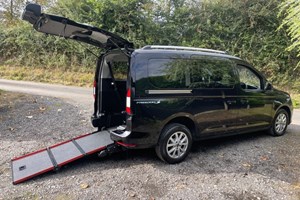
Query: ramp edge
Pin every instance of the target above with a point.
(30, 154)
(56, 165)
(33, 175)
(71, 160)
(96, 150)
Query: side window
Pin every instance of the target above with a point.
(212, 72)
(167, 73)
(200, 72)
(248, 79)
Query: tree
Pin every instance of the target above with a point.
(248, 29)
(290, 11)
(10, 10)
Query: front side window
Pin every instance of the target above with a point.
(248, 79)
(199, 72)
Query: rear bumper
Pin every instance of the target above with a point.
(131, 140)
(120, 132)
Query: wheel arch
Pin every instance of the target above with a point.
(184, 120)
(288, 110)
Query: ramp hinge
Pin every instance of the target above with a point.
(52, 158)
(79, 147)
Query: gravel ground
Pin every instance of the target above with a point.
(252, 166)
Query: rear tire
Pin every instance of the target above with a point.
(174, 144)
(279, 123)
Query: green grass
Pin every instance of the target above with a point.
(296, 100)
(59, 76)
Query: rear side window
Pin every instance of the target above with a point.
(199, 72)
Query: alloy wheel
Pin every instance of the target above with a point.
(280, 123)
(177, 144)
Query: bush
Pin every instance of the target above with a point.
(23, 46)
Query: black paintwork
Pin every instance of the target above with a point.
(209, 113)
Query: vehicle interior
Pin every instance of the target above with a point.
(112, 88)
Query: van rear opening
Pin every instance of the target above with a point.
(110, 90)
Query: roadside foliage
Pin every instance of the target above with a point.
(289, 9)
(248, 29)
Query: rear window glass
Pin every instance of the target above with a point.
(200, 72)
(119, 69)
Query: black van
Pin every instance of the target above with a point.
(168, 96)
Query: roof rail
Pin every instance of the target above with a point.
(182, 48)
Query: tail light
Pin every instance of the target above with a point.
(94, 89)
(128, 102)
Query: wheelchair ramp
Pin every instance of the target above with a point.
(52, 158)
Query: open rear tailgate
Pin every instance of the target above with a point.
(64, 27)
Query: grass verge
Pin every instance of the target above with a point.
(296, 100)
(59, 76)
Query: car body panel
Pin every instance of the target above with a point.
(214, 112)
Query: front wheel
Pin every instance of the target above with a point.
(174, 144)
(280, 123)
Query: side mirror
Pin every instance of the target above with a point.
(268, 86)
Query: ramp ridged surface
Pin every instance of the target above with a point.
(65, 153)
(94, 142)
(45, 160)
(24, 167)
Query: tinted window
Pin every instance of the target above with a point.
(200, 72)
(248, 79)
(119, 69)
